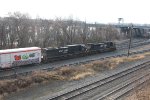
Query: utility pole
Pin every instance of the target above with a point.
(130, 36)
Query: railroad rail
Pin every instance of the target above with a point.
(127, 80)
(135, 44)
(15, 74)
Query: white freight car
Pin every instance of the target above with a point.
(19, 56)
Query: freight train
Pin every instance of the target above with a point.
(33, 55)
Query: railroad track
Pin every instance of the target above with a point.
(109, 88)
(5, 74)
(135, 44)
(133, 41)
(14, 74)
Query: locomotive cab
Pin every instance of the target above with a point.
(110, 46)
(76, 49)
(96, 47)
(50, 54)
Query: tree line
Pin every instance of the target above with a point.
(19, 30)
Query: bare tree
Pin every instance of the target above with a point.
(19, 30)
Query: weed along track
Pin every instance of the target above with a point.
(108, 86)
(108, 67)
(10, 75)
(69, 58)
(18, 71)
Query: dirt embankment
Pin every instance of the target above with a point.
(140, 93)
(64, 73)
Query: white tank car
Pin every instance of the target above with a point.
(19, 56)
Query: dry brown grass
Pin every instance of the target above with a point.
(147, 54)
(64, 73)
(112, 63)
(116, 61)
(81, 75)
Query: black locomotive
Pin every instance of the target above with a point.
(101, 47)
(76, 50)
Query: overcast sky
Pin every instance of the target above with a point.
(102, 11)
